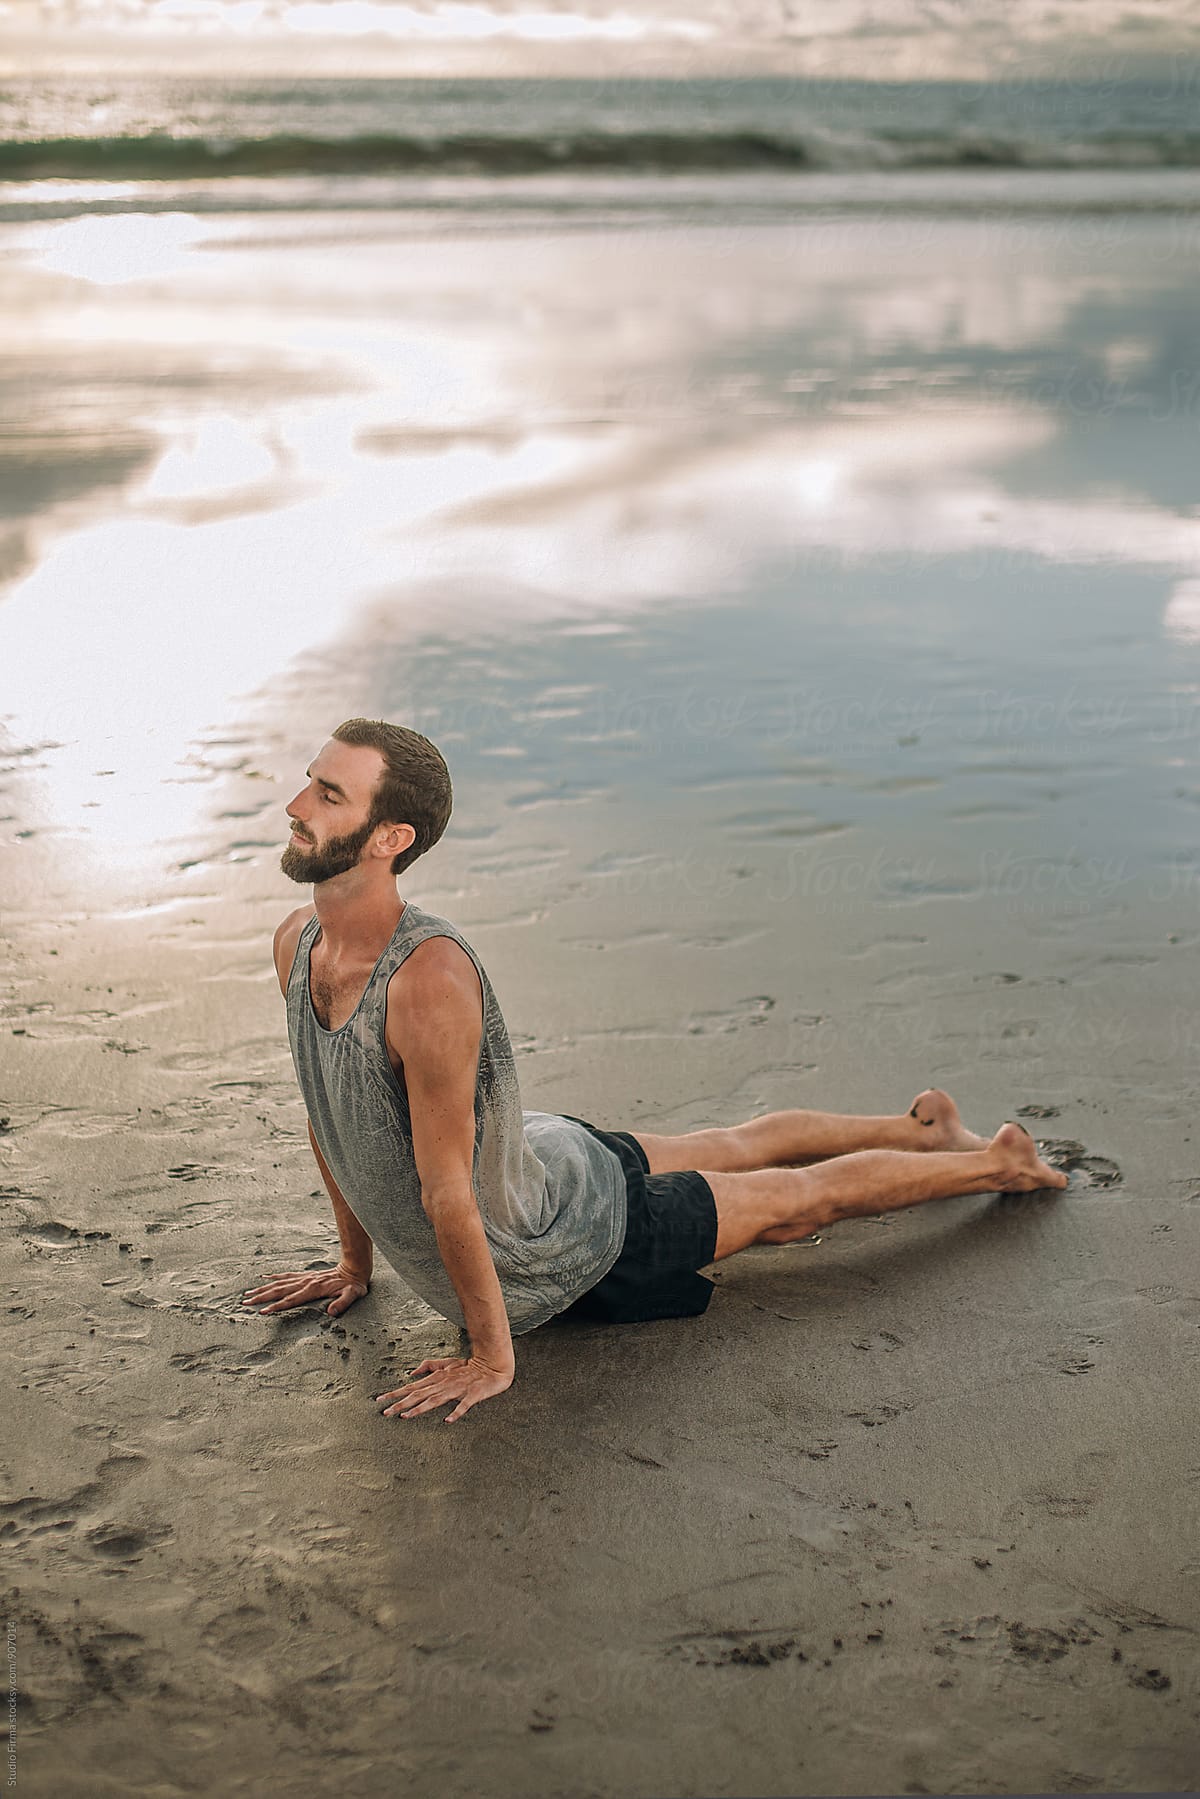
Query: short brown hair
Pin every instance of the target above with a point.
(414, 788)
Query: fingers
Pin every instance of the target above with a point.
(306, 1280)
(437, 1388)
(280, 1280)
(288, 1290)
(409, 1391)
(414, 1409)
(428, 1405)
(274, 1289)
(289, 1296)
(396, 1393)
(283, 1297)
(415, 1396)
(410, 1403)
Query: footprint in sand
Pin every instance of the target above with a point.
(93, 1661)
(1153, 1680)
(53, 1235)
(217, 1306)
(747, 1012)
(198, 1211)
(200, 1361)
(245, 1630)
(880, 1413)
(737, 1648)
(883, 1340)
(126, 1543)
(1085, 1170)
(993, 1638)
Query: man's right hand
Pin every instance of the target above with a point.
(341, 1285)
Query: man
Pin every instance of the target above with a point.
(499, 1218)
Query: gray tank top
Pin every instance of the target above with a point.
(552, 1196)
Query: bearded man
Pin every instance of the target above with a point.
(501, 1218)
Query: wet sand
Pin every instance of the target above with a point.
(785, 776)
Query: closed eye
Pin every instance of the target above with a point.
(329, 788)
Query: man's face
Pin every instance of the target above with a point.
(331, 816)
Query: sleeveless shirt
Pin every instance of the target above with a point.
(552, 1197)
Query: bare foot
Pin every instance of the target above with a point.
(1019, 1168)
(941, 1126)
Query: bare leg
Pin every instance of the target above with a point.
(781, 1205)
(790, 1139)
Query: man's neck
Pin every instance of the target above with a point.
(357, 921)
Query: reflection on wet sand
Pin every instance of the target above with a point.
(787, 428)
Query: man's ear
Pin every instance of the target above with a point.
(396, 839)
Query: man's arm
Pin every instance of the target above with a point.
(357, 1247)
(358, 1251)
(351, 1279)
(435, 1026)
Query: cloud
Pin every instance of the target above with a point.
(457, 22)
(883, 39)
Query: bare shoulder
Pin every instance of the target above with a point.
(286, 938)
(435, 990)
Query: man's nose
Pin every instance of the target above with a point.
(293, 806)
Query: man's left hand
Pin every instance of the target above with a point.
(445, 1378)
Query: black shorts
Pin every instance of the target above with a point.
(671, 1232)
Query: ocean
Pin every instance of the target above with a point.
(334, 143)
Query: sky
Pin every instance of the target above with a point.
(871, 39)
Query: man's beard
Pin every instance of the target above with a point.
(333, 858)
